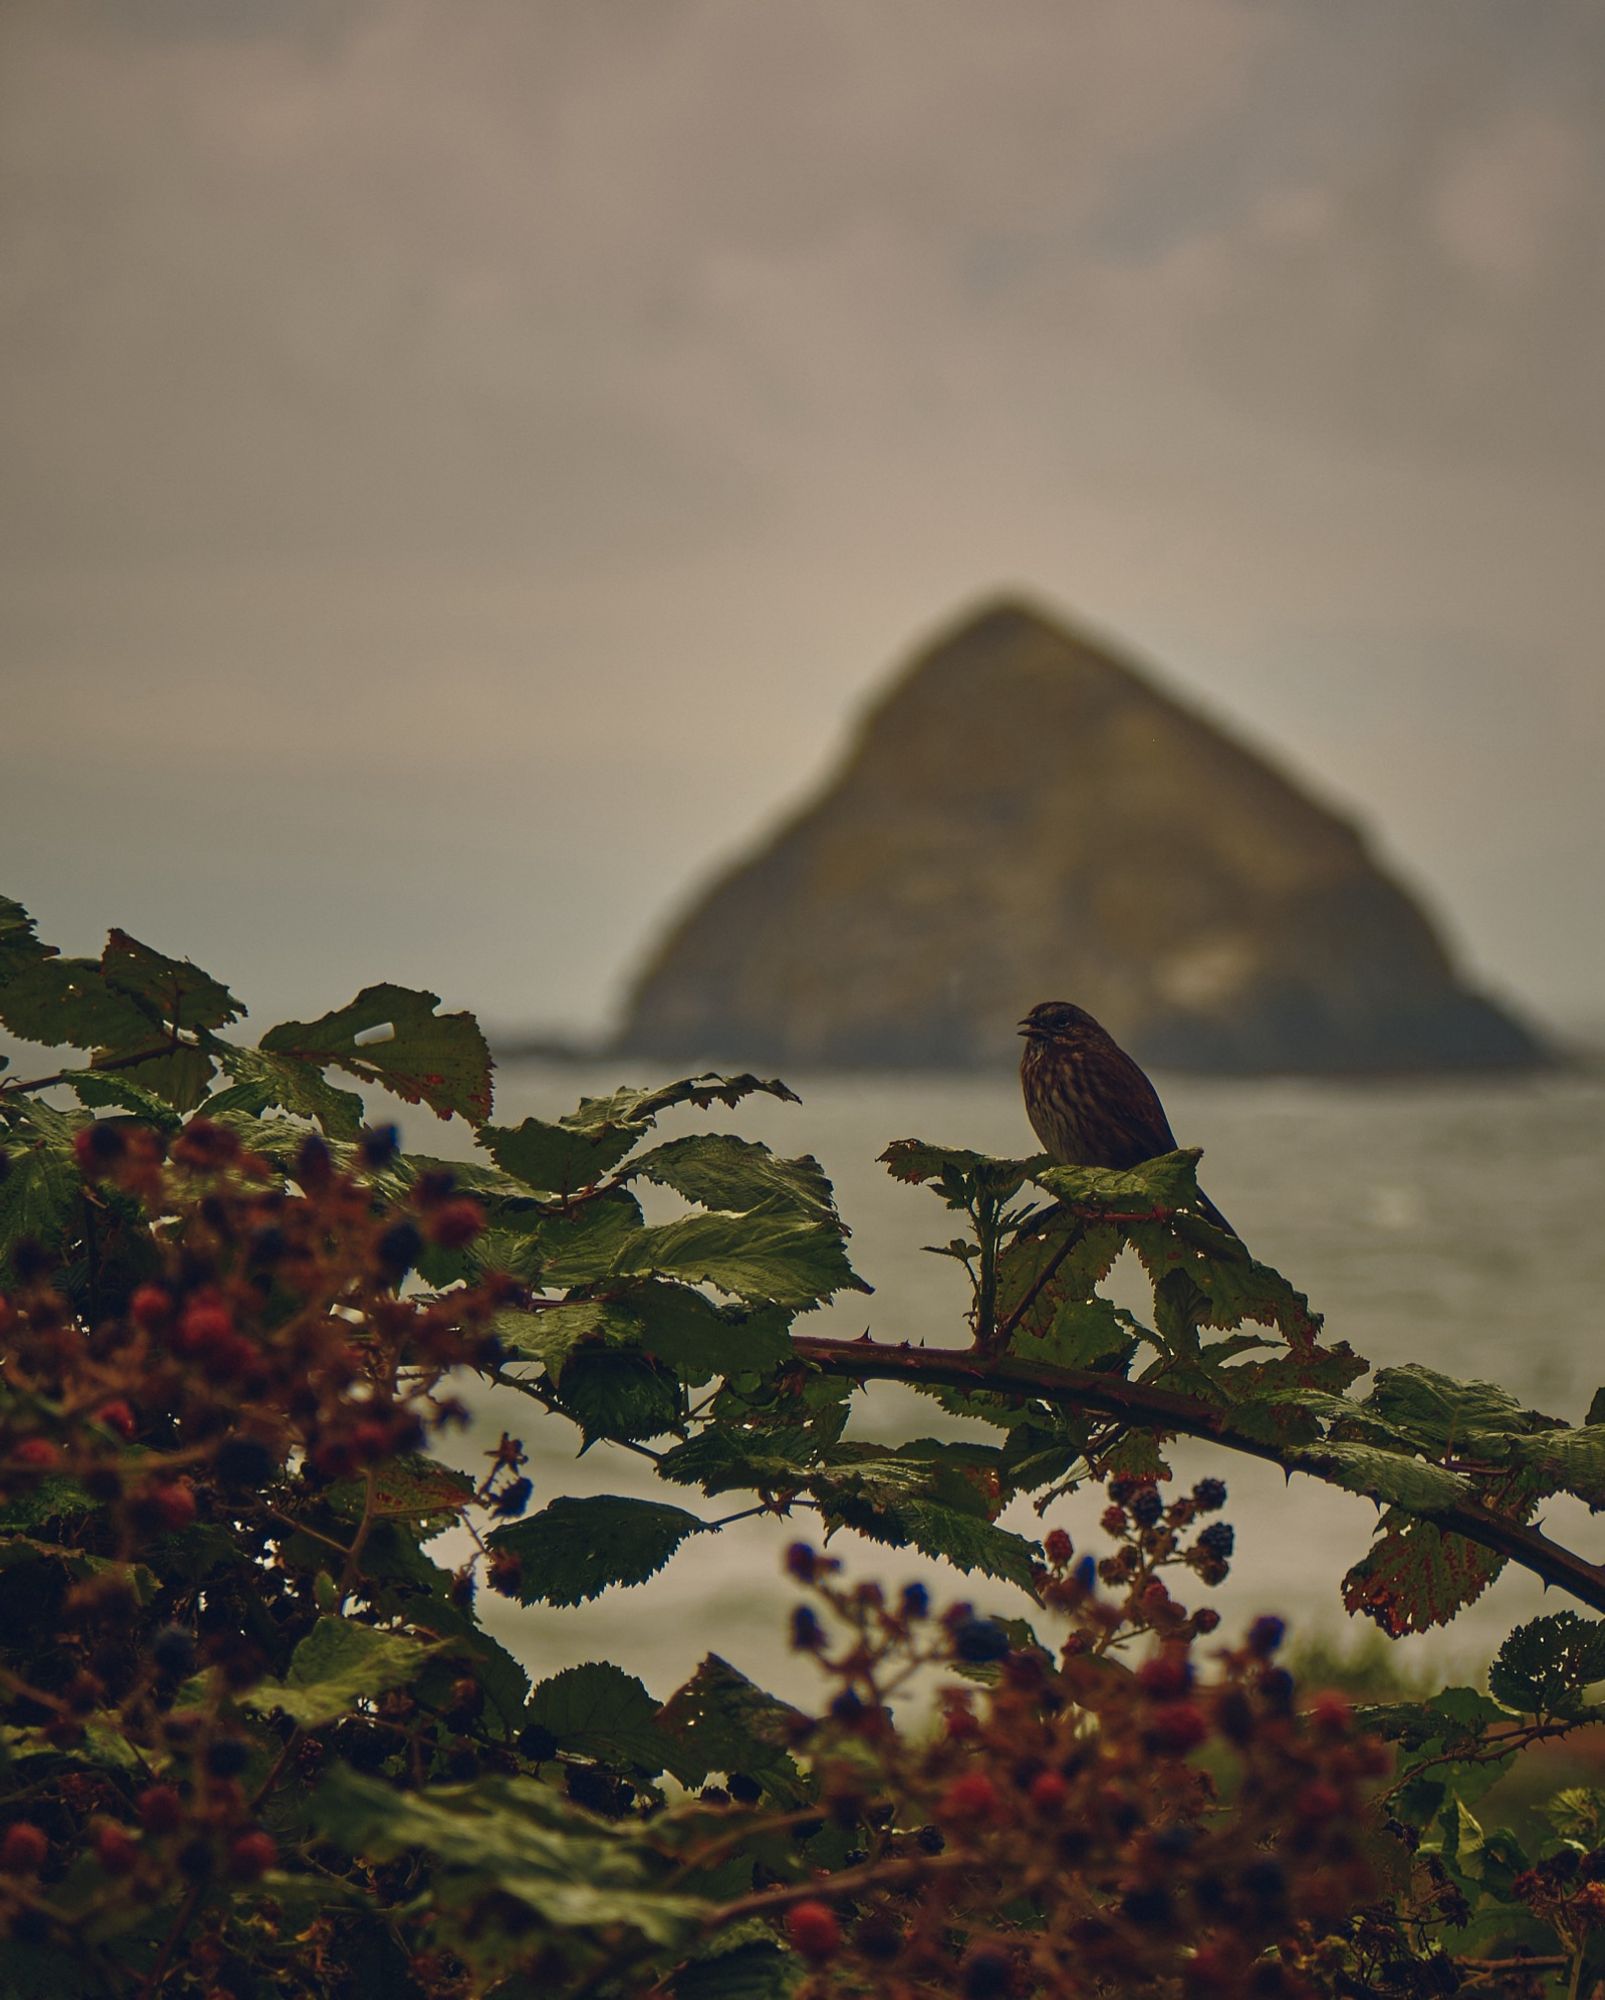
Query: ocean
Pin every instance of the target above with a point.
(1458, 1223)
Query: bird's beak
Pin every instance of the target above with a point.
(1026, 1029)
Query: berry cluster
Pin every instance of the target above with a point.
(1077, 1825)
(194, 1474)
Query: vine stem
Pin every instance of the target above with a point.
(1081, 1389)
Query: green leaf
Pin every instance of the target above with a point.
(436, 1059)
(179, 1076)
(576, 1549)
(597, 1710)
(550, 1334)
(1083, 1333)
(513, 1835)
(723, 1172)
(722, 1721)
(338, 1665)
(1151, 1191)
(116, 1090)
(1442, 1412)
(638, 1109)
(54, 1498)
(169, 989)
(770, 1254)
(555, 1158)
(19, 941)
(750, 1968)
(699, 1339)
(65, 1002)
(43, 1183)
(1544, 1666)
(409, 1488)
(301, 1088)
(405, 1584)
(1573, 1461)
(1387, 1476)
(619, 1393)
(581, 1248)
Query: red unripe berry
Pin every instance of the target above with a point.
(1049, 1792)
(1318, 1800)
(251, 1856)
(961, 1725)
(1166, 1675)
(115, 1848)
(1178, 1726)
(205, 1326)
(1330, 1713)
(118, 1417)
(24, 1849)
(456, 1223)
(174, 1504)
(371, 1439)
(1058, 1547)
(1113, 1520)
(814, 1931)
(149, 1307)
(160, 1809)
(36, 1454)
(972, 1797)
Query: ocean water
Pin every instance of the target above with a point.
(1459, 1224)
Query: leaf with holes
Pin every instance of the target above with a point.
(170, 989)
(393, 1037)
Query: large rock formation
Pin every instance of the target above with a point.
(1025, 817)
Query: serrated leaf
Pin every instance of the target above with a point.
(575, 1549)
(301, 1088)
(597, 1710)
(750, 1969)
(19, 940)
(118, 1091)
(172, 989)
(42, 1182)
(1388, 1476)
(65, 1002)
(555, 1159)
(771, 1254)
(723, 1172)
(638, 1109)
(1415, 1575)
(409, 1488)
(1572, 1461)
(699, 1339)
(581, 1248)
(1441, 1411)
(1083, 1333)
(722, 1721)
(513, 1834)
(436, 1059)
(550, 1334)
(337, 1666)
(1156, 1188)
(619, 1393)
(179, 1076)
(1544, 1666)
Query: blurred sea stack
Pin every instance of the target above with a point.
(1025, 815)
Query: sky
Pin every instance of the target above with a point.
(463, 469)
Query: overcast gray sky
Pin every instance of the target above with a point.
(462, 466)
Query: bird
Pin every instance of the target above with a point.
(1089, 1103)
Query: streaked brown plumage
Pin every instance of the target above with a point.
(1088, 1102)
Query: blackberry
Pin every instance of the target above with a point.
(1218, 1540)
(979, 1641)
(1146, 1507)
(379, 1145)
